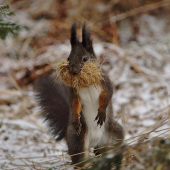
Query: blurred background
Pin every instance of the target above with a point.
(131, 39)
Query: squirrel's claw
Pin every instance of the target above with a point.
(77, 126)
(101, 117)
(78, 130)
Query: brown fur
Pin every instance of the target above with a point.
(102, 97)
(77, 105)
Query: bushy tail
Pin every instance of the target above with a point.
(52, 98)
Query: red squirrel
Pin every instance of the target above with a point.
(84, 118)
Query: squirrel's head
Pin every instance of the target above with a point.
(80, 51)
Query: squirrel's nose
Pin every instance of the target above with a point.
(75, 70)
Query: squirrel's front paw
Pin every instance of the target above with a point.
(77, 126)
(101, 117)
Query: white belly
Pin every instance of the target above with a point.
(90, 101)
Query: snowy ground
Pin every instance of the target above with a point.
(140, 71)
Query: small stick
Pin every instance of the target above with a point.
(136, 11)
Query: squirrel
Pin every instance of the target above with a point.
(83, 118)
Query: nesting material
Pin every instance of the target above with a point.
(90, 74)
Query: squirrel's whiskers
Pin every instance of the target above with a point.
(90, 74)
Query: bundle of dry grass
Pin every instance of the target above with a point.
(90, 74)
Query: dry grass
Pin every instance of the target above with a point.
(139, 70)
(90, 74)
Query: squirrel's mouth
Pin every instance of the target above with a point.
(89, 74)
(75, 70)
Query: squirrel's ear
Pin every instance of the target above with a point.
(86, 39)
(73, 38)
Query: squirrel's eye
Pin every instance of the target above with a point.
(68, 59)
(85, 59)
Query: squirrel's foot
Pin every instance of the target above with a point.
(77, 126)
(101, 117)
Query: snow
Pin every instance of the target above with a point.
(140, 72)
(21, 123)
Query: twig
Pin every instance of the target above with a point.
(138, 10)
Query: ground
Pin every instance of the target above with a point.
(139, 69)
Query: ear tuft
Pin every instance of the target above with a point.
(73, 38)
(86, 39)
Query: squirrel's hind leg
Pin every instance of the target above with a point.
(116, 137)
(76, 144)
(100, 150)
(116, 133)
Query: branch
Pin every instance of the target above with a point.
(136, 11)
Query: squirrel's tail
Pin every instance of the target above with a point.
(52, 98)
